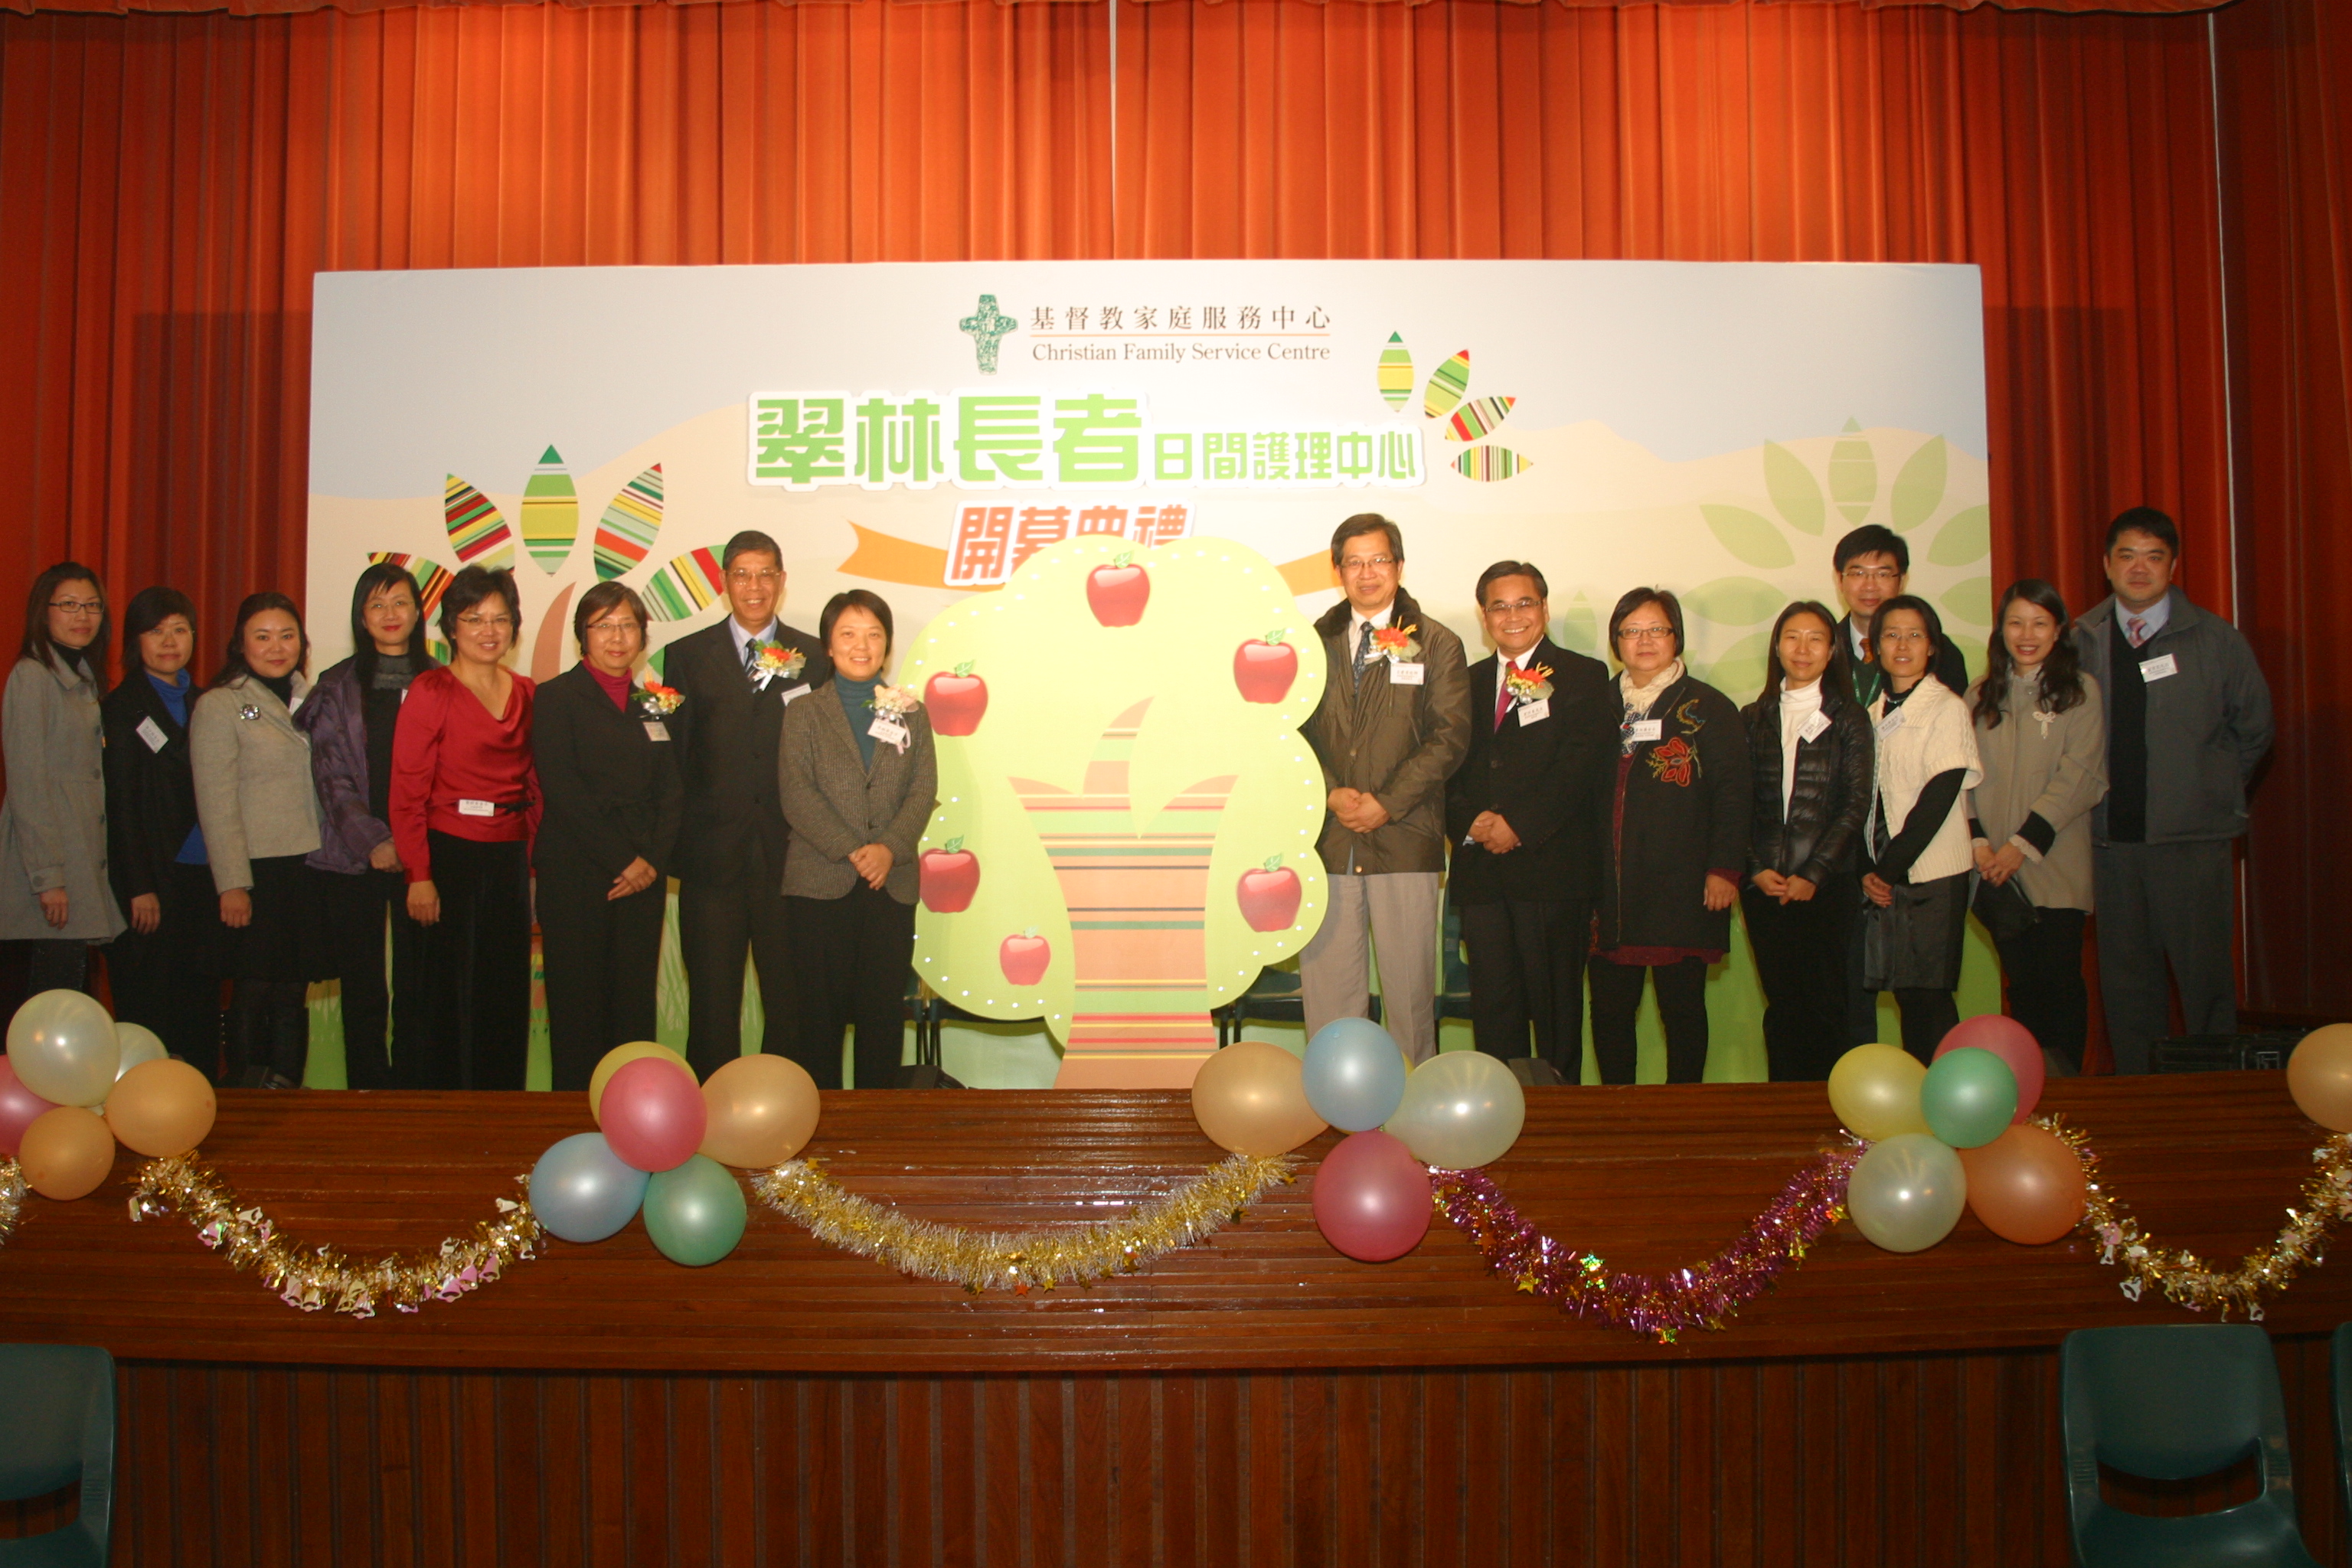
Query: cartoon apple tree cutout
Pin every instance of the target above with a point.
(1127, 814)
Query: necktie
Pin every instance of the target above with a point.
(751, 660)
(2138, 625)
(1502, 692)
(1363, 655)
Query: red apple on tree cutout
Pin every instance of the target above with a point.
(1023, 958)
(956, 701)
(948, 878)
(1263, 668)
(1117, 593)
(1269, 895)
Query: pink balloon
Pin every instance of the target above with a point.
(655, 1115)
(19, 1109)
(1372, 1197)
(2013, 1042)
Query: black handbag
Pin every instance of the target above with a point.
(2004, 908)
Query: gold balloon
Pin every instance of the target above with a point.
(2319, 1076)
(620, 1056)
(66, 1152)
(1875, 1090)
(1251, 1098)
(160, 1108)
(763, 1109)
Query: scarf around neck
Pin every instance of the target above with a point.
(1638, 699)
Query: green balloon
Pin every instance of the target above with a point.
(1969, 1096)
(696, 1213)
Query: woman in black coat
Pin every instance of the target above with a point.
(1810, 748)
(165, 967)
(608, 772)
(1673, 843)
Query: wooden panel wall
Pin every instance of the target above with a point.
(1927, 1461)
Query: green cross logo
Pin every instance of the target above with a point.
(987, 326)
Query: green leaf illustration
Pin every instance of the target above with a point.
(1966, 537)
(551, 513)
(1751, 537)
(1448, 383)
(624, 534)
(1854, 473)
(1970, 601)
(1580, 630)
(1736, 600)
(1739, 673)
(1793, 489)
(1919, 488)
(1396, 371)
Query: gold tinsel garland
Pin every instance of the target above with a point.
(982, 1261)
(12, 1197)
(2185, 1279)
(316, 1278)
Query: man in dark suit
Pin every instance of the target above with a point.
(1523, 815)
(736, 678)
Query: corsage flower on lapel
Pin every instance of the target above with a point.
(656, 701)
(779, 661)
(1533, 685)
(1396, 643)
(894, 702)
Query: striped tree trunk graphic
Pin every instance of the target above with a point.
(1136, 889)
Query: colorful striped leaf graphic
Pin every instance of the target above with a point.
(684, 587)
(476, 531)
(1396, 371)
(1478, 418)
(1446, 385)
(1490, 465)
(551, 511)
(432, 577)
(625, 532)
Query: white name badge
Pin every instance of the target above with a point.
(1892, 722)
(1645, 729)
(153, 734)
(1816, 726)
(889, 729)
(795, 695)
(1535, 712)
(657, 730)
(478, 808)
(2159, 668)
(1403, 674)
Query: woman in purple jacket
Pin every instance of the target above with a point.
(349, 719)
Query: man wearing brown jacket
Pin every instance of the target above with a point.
(1393, 724)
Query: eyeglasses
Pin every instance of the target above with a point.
(1358, 563)
(1902, 635)
(1871, 574)
(747, 577)
(497, 623)
(384, 606)
(1642, 633)
(620, 628)
(77, 607)
(1516, 608)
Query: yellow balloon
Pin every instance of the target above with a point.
(1251, 1098)
(620, 1056)
(1875, 1090)
(763, 1109)
(66, 1152)
(160, 1108)
(2319, 1076)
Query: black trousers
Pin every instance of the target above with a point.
(719, 916)
(56, 963)
(601, 958)
(1860, 1001)
(1682, 1008)
(2046, 993)
(476, 1031)
(1802, 950)
(357, 909)
(855, 952)
(1526, 966)
(169, 979)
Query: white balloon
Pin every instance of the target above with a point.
(140, 1044)
(63, 1045)
(1461, 1109)
(1906, 1193)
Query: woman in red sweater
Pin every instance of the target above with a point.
(465, 804)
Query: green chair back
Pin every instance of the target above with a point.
(60, 1428)
(2339, 1367)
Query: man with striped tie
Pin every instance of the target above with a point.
(2188, 718)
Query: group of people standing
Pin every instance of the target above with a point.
(266, 831)
(1596, 830)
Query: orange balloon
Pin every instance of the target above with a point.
(66, 1152)
(2026, 1185)
(1251, 1098)
(620, 1056)
(763, 1109)
(2319, 1076)
(160, 1108)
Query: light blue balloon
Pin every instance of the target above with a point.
(1355, 1074)
(696, 1213)
(582, 1191)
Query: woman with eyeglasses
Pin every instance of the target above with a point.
(166, 968)
(1675, 841)
(350, 719)
(1917, 854)
(260, 817)
(465, 804)
(53, 894)
(2042, 739)
(609, 768)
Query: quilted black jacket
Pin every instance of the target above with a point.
(1830, 802)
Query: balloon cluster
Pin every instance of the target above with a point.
(1953, 1134)
(1372, 1199)
(75, 1082)
(663, 1145)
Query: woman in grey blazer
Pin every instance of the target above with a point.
(858, 780)
(260, 816)
(54, 895)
